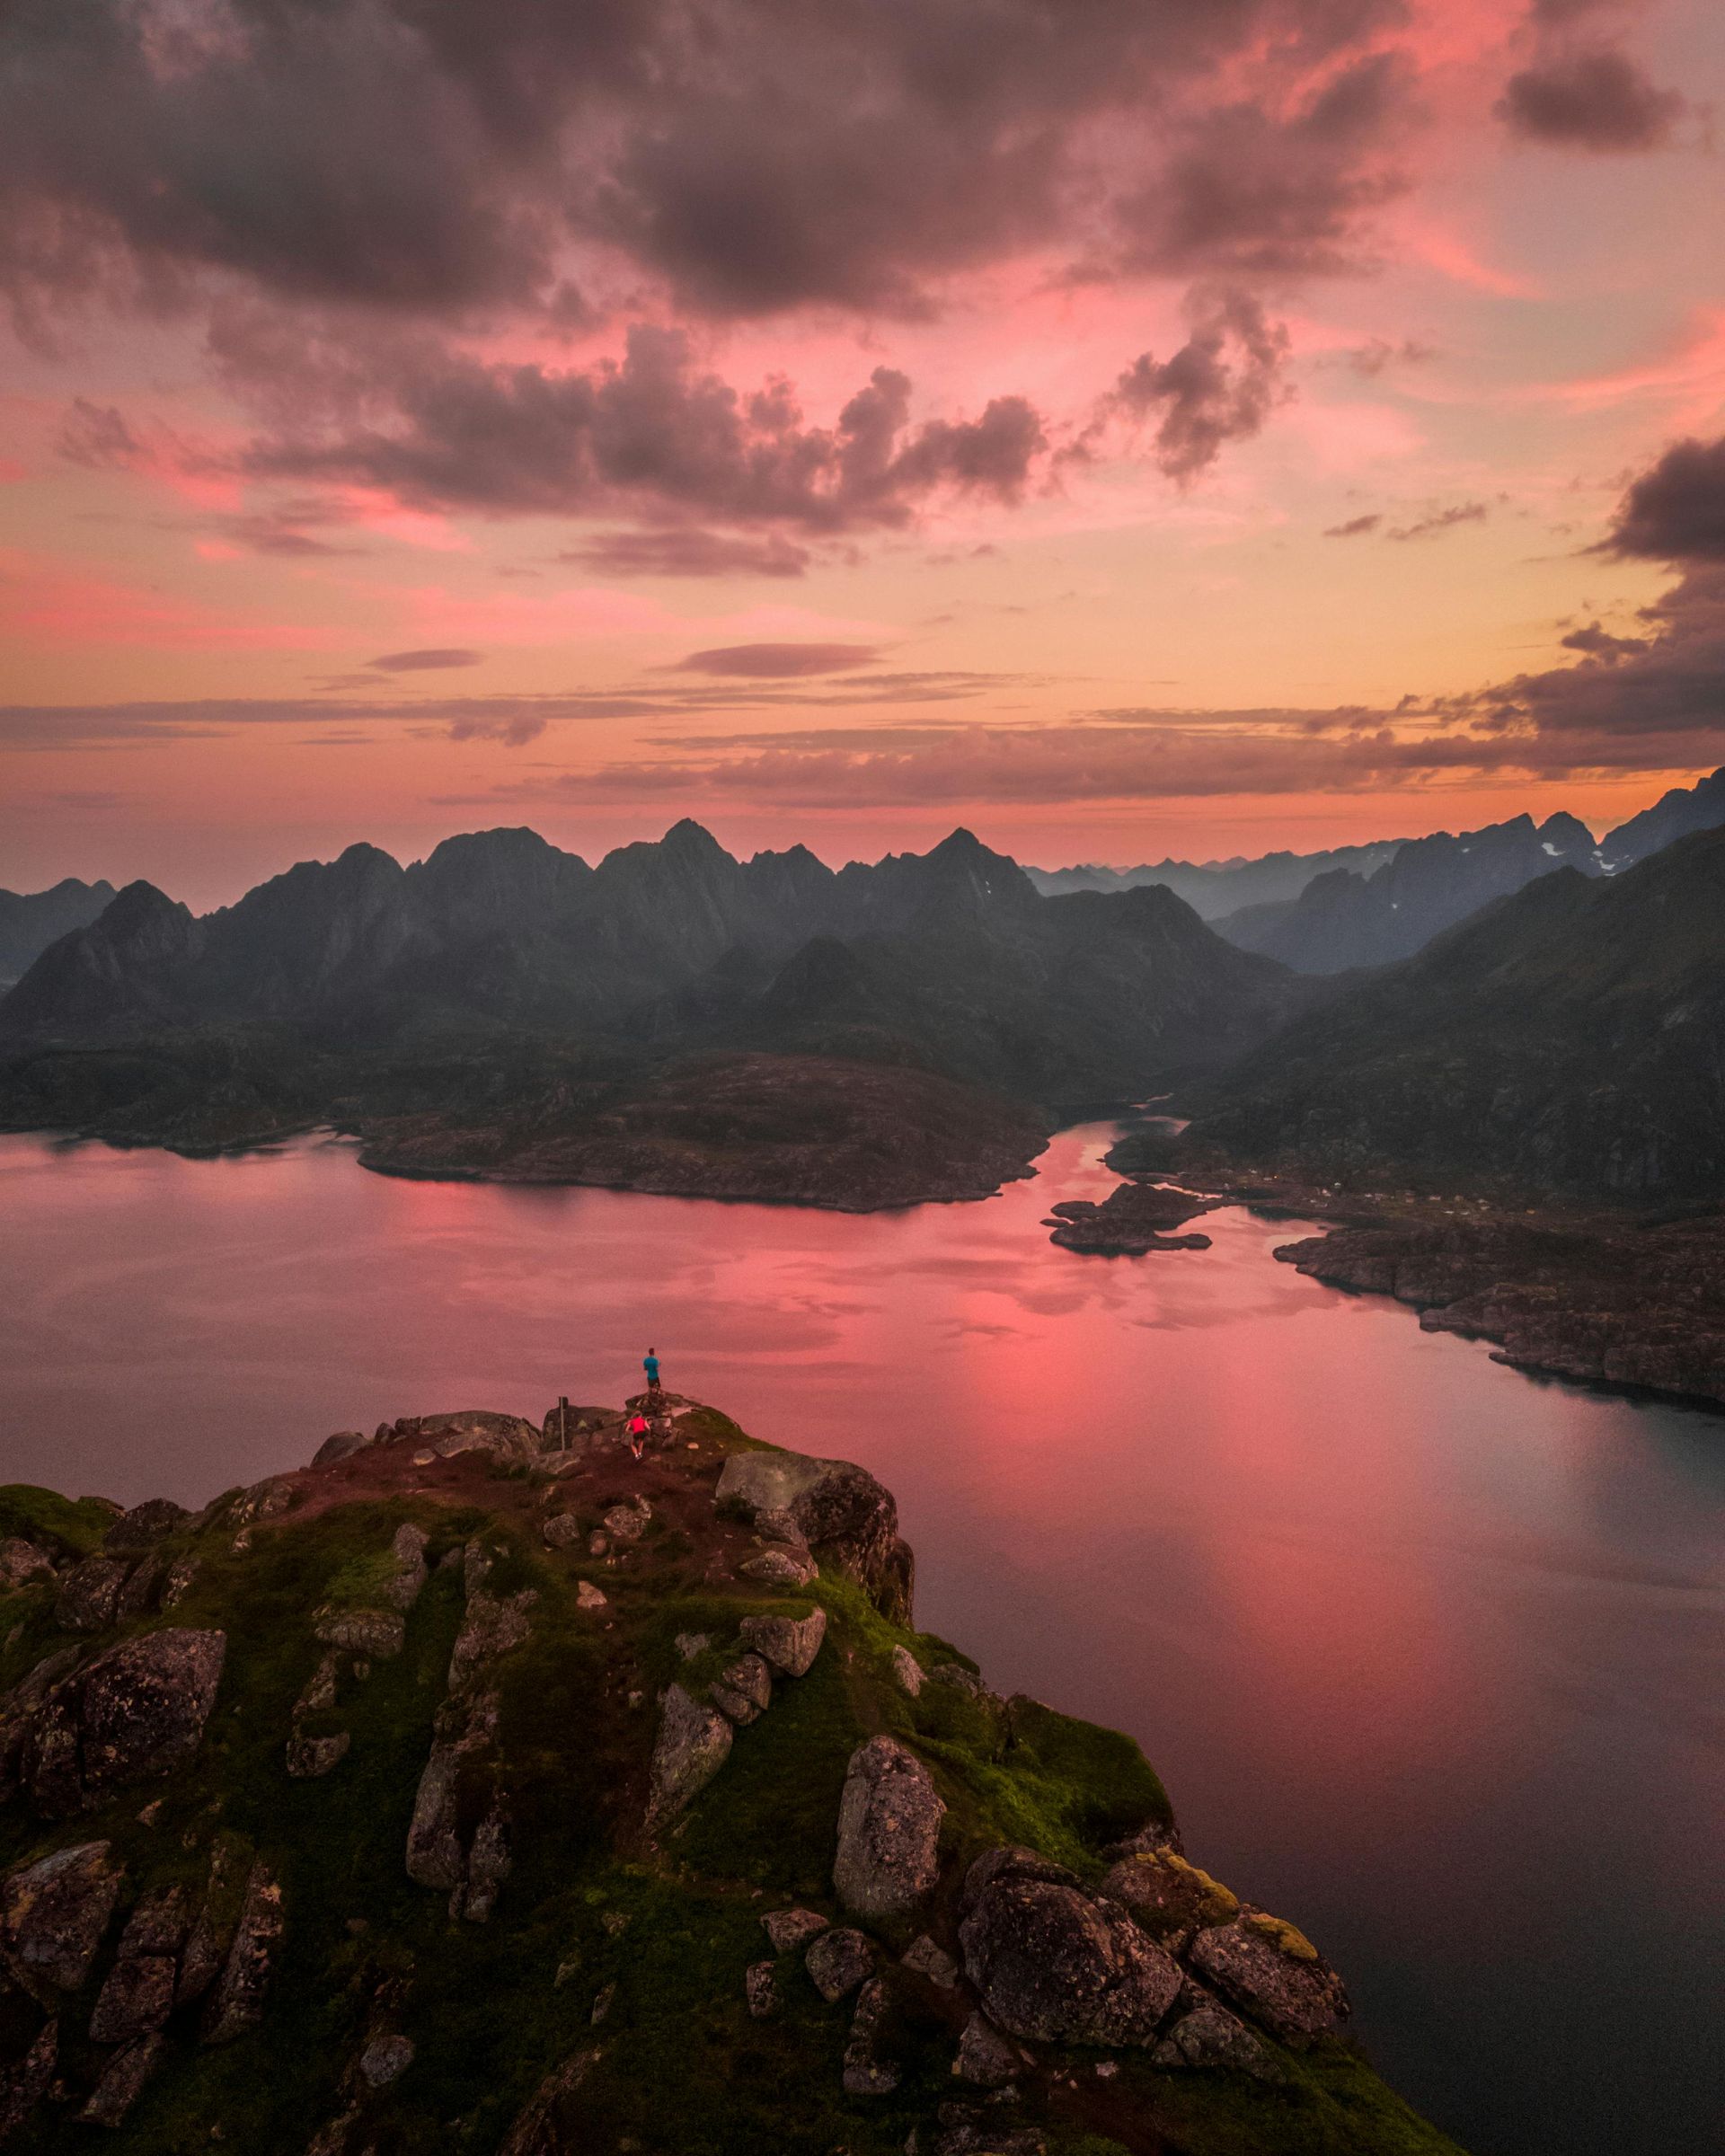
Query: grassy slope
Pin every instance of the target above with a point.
(493, 2009)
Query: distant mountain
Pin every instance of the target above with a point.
(1215, 888)
(1674, 815)
(1343, 919)
(508, 991)
(1568, 1038)
(30, 922)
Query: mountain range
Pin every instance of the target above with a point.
(502, 1008)
(30, 922)
(1508, 1002)
(1568, 1040)
(1369, 906)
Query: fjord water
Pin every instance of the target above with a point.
(1428, 1653)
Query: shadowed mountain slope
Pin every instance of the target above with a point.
(1570, 1038)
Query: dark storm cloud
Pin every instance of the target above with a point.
(1671, 683)
(1248, 193)
(1598, 100)
(1218, 387)
(751, 154)
(657, 431)
(1356, 527)
(1676, 511)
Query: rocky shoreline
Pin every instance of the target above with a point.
(482, 1786)
(1603, 1303)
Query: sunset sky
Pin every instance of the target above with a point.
(1127, 427)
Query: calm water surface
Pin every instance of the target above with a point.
(1430, 1655)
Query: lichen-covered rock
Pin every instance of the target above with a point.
(53, 1916)
(588, 1597)
(408, 1549)
(212, 1932)
(840, 1510)
(838, 1961)
(1273, 1973)
(1171, 1899)
(138, 1993)
(379, 1635)
(789, 1928)
(761, 1990)
(122, 2081)
(866, 2072)
(1056, 1964)
(888, 1831)
(134, 1712)
(494, 1625)
(144, 1526)
(489, 1863)
(694, 1741)
(781, 1568)
(628, 1523)
(561, 1530)
(464, 1730)
(790, 1644)
(23, 1562)
(386, 2059)
(1210, 2036)
(744, 1689)
(89, 1595)
(984, 2059)
(908, 1671)
(236, 2004)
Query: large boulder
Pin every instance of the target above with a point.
(787, 1644)
(134, 1712)
(888, 1831)
(473, 1430)
(144, 1526)
(53, 1916)
(1056, 1964)
(89, 1596)
(21, 1562)
(1273, 1973)
(694, 1741)
(847, 1517)
(1171, 1899)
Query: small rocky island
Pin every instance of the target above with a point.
(478, 1787)
(1131, 1221)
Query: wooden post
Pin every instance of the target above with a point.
(562, 1422)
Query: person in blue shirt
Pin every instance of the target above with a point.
(650, 1363)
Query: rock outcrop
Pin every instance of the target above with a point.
(135, 1711)
(693, 1743)
(1273, 1973)
(888, 1831)
(807, 1953)
(843, 1514)
(1053, 1963)
(54, 1914)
